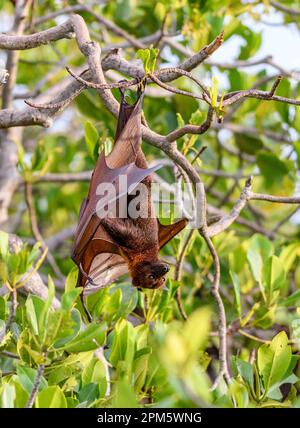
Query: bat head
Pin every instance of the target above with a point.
(149, 274)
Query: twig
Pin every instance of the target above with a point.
(222, 328)
(273, 198)
(178, 272)
(223, 371)
(175, 90)
(200, 151)
(10, 355)
(100, 355)
(284, 8)
(250, 336)
(228, 219)
(113, 27)
(12, 314)
(63, 177)
(233, 97)
(35, 229)
(285, 219)
(36, 386)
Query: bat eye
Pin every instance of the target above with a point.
(150, 276)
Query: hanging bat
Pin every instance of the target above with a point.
(107, 247)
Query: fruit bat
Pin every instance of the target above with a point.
(107, 247)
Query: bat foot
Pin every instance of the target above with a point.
(91, 281)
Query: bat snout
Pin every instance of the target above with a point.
(160, 270)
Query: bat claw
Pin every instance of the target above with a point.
(90, 281)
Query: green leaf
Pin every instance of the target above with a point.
(248, 144)
(273, 277)
(69, 298)
(140, 367)
(94, 372)
(7, 396)
(296, 144)
(91, 338)
(2, 308)
(71, 280)
(273, 360)
(51, 397)
(144, 56)
(44, 315)
(27, 377)
(91, 139)
(271, 167)
(123, 345)
(214, 92)
(34, 309)
(63, 327)
(124, 396)
(89, 393)
(237, 292)
(245, 370)
(259, 249)
(288, 255)
(240, 393)
(148, 58)
(39, 158)
(3, 244)
(195, 337)
(152, 58)
(292, 300)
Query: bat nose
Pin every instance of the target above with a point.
(166, 268)
(160, 270)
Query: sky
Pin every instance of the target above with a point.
(282, 42)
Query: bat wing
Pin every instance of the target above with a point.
(101, 260)
(105, 269)
(167, 232)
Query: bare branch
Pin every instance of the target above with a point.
(178, 272)
(64, 177)
(227, 220)
(35, 229)
(232, 98)
(192, 129)
(35, 386)
(12, 314)
(174, 90)
(276, 199)
(62, 31)
(222, 325)
(284, 8)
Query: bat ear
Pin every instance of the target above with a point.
(167, 232)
